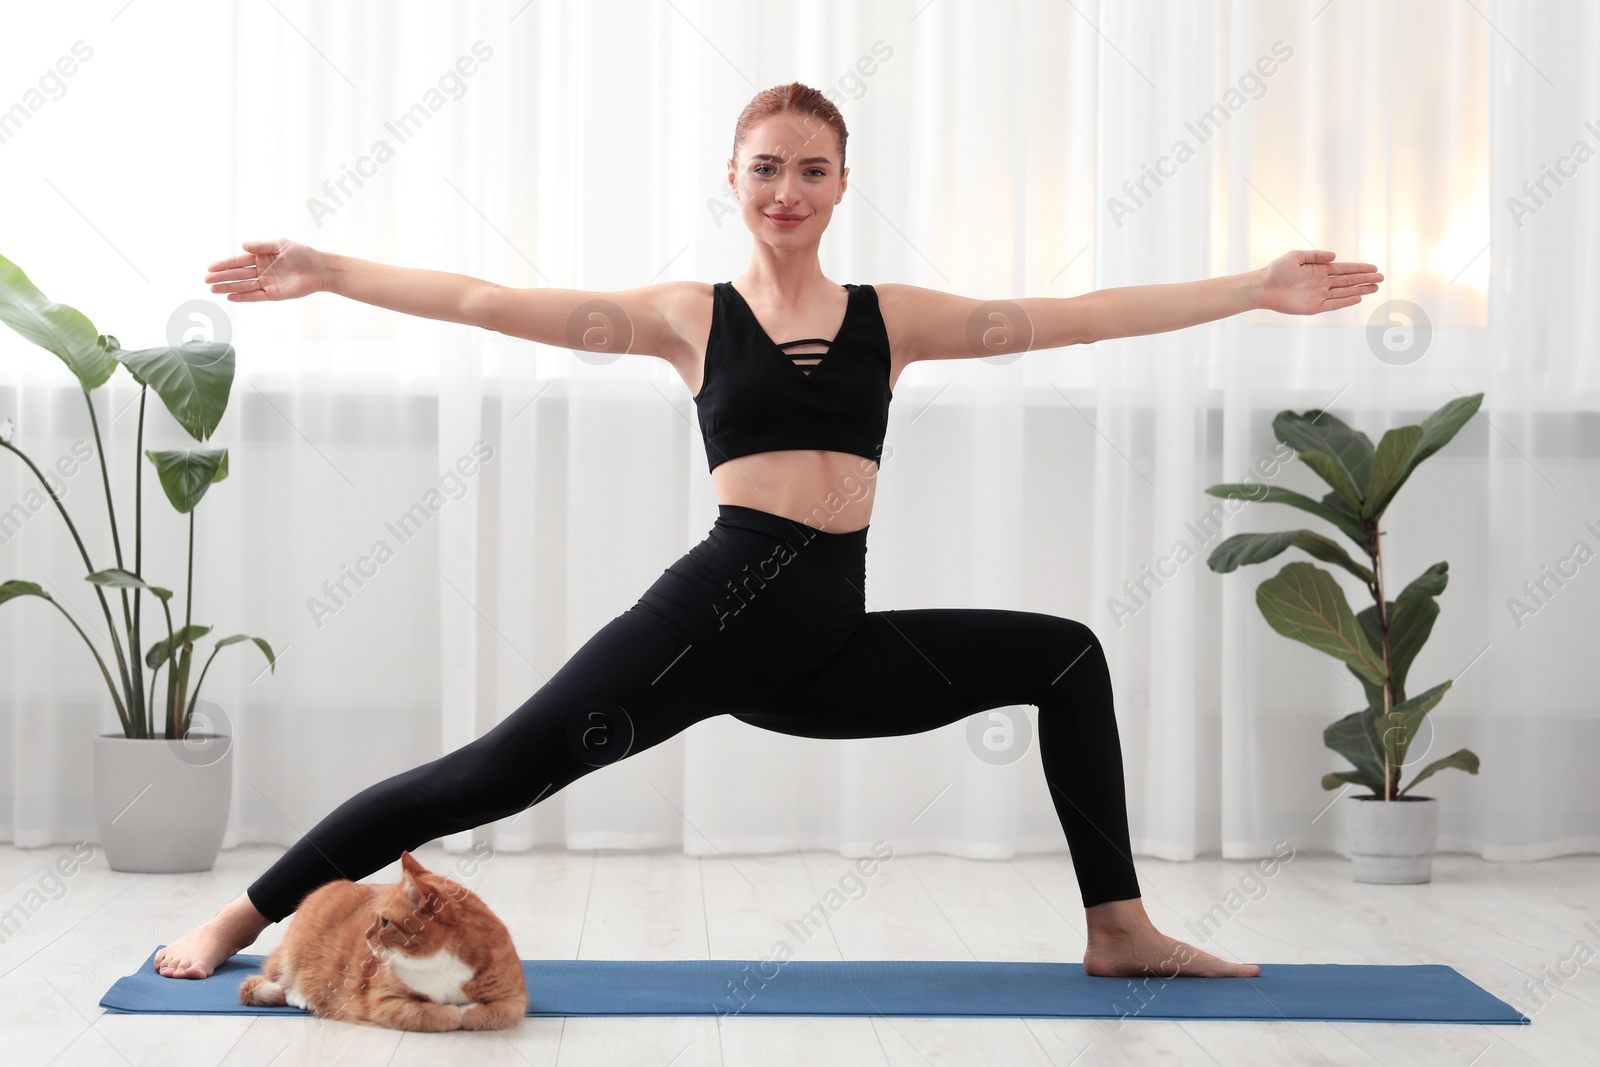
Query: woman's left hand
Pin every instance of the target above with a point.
(1309, 282)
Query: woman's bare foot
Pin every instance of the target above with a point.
(199, 952)
(1124, 942)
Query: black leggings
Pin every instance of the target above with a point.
(763, 620)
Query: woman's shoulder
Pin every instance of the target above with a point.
(912, 302)
(922, 323)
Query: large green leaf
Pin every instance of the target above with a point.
(1271, 494)
(1331, 552)
(1329, 470)
(1244, 548)
(1405, 721)
(1333, 780)
(1430, 582)
(260, 642)
(17, 587)
(1395, 450)
(1336, 503)
(1241, 549)
(117, 578)
(1361, 736)
(187, 474)
(163, 649)
(1410, 623)
(1373, 690)
(1407, 633)
(1437, 431)
(1441, 426)
(1356, 738)
(64, 330)
(192, 380)
(1411, 619)
(1463, 758)
(1303, 601)
(1320, 431)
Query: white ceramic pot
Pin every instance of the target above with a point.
(161, 804)
(1392, 841)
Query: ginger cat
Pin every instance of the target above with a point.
(423, 954)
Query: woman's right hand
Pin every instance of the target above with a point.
(269, 270)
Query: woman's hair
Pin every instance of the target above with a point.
(813, 109)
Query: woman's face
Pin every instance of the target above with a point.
(788, 179)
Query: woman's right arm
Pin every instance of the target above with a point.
(428, 294)
(649, 320)
(285, 270)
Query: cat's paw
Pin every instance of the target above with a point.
(496, 1015)
(434, 1018)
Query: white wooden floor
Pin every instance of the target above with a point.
(1498, 924)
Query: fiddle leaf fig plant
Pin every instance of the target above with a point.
(193, 380)
(1304, 602)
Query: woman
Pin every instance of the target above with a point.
(764, 619)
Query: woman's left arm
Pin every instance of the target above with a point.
(929, 324)
(1296, 283)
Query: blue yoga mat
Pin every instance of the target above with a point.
(1325, 992)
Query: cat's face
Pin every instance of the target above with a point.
(411, 918)
(413, 915)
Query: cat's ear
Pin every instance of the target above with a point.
(409, 862)
(411, 888)
(420, 896)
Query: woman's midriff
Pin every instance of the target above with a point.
(831, 491)
(765, 592)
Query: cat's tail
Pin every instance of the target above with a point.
(260, 990)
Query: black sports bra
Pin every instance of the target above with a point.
(755, 397)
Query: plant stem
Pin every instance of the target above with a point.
(194, 697)
(1375, 537)
(188, 594)
(178, 711)
(138, 557)
(180, 716)
(172, 673)
(111, 515)
(122, 663)
(111, 510)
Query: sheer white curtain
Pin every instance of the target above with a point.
(1029, 149)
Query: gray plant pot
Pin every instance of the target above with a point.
(1392, 841)
(162, 805)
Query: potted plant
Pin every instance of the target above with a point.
(161, 799)
(1392, 834)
